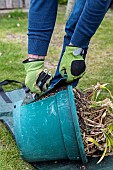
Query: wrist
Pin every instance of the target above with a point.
(32, 57)
(71, 44)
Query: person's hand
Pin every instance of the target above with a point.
(37, 78)
(72, 63)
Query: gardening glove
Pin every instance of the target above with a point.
(37, 78)
(72, 63)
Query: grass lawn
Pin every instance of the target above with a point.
(13, 50)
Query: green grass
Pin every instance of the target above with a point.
(10, 21)
(9, 154)
(13, 50)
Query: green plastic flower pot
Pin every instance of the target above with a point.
(49, 129)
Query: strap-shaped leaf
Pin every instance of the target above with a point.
(103, 155)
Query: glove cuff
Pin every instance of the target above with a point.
(35, 60)
(33, 65)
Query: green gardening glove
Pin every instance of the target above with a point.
(35, 75)
(72, 63)
(33, 69)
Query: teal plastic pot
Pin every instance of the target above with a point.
(49, 129)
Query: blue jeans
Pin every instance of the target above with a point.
(80, 27)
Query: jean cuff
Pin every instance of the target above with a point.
(37, 47)
(80, 40)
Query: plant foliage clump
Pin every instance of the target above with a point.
(96, 121)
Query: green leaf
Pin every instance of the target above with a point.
(108, 143)
(110, 128)
(103, 155)
(94, 141)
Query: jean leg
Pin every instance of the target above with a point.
(41, 21)
(89, 21)
(69, 29)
